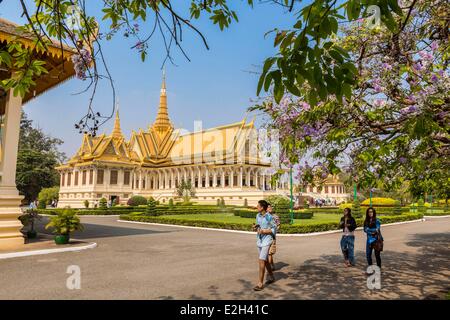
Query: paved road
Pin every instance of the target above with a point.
(161, 262)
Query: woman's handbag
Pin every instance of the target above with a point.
(379, 243)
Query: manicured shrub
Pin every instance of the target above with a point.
(170, 203)
(285, 228)
(245, 203)
(103, 204)
(218, 202)
(379, 202)
(151, 207)
(42, 204)
(136, 201)
(397, 208)
(356, 211)
(342, 206)
(222, 202)
(86, 204)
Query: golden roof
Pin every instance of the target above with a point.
(57, 58)
(162, 145)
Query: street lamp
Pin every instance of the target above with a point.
(292, 197)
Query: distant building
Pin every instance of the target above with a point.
(332, 191)
(218, 162)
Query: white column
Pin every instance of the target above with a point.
(222, 183)
(256, 179)
(206, 177)
(214, 178)
(10, 235)
(240, 177)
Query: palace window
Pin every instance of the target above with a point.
(100, 174)
(326, 189)
(332, 189)
(91, 176)
(311, 189)
(143, 183)
(63, 177)
(126, 178)
(113, 177)
(84, 177)
(76, 178)
(69, 178)
(203, 182)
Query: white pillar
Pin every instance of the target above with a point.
(240, 177)
(214, 179)
(222, 183)
(10, 235)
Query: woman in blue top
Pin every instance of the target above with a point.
(372, 227)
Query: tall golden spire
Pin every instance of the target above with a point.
(162, 122)
(117, 132)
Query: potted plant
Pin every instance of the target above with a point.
(63, 224)
(28, 219)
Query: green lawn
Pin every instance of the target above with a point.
(231, 218)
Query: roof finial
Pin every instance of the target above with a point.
(117, 132)
(163, 86)
(162, 122)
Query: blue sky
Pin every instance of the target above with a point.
(214, 87)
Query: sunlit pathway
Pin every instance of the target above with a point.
(158, 262)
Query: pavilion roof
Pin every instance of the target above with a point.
(57, 58)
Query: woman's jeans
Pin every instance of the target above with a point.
(369, 255)
(348, 248)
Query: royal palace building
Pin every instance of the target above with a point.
(222, 162)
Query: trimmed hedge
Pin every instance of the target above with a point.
(284, 228)
(81, 212)
(252, 214)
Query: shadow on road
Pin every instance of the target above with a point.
(92, 231)
(422, 272)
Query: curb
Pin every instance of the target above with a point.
(10, 255)
(249, 232)
(435, 217)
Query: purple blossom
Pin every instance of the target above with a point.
(408, 110)
(418, 66)
(402, 160)
(434, 45)
(386, 66)
(434, 78)
(305, 106)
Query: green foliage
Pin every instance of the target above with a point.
(86, 204)
(137, 201)
(29, 218)
(170, 203)
(36, 160)
(356, 211)
(222, 202)
(397, 208)
(103, 204)
(185, 190)
(151, 206)
(65, 222)
(47, 195)
(285, 228)
(218, 202)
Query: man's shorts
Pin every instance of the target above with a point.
(263, 252)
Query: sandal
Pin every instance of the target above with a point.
(258, 288)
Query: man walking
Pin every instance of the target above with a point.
(266, 230)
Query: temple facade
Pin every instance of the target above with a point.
(331, 192)
(222, 162)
